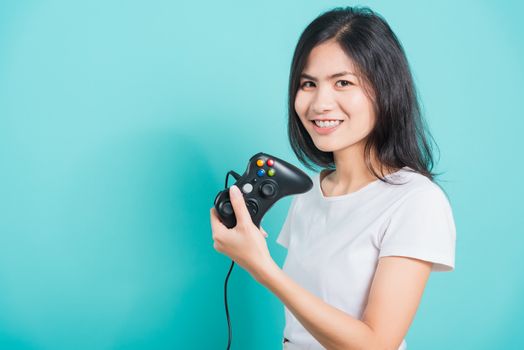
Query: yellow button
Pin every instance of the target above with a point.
(260, 162)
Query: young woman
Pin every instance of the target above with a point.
(362, 243)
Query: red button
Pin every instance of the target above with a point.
(270, 162)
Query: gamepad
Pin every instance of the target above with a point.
(266, 180)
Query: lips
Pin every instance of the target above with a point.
(326, 130)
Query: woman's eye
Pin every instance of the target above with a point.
(304, 84)
(344, 83)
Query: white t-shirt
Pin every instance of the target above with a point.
(334, 243)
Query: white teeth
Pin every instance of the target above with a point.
(327, 124)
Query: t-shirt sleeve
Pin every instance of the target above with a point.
(422, 227)
(285, 232)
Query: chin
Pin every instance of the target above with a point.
(332, 147)
(326, 147)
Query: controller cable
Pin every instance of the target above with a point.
(230, 335)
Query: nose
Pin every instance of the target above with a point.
(323, 101)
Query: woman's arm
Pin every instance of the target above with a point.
(393, 300)
(394, 297)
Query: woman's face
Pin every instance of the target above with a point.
(331, 91)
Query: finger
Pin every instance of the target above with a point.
(239, 205)
(263, 232)
(215, 221)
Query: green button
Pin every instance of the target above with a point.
(271, 172)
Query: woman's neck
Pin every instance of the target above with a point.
(351, 172)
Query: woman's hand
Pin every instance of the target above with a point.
(244, 243)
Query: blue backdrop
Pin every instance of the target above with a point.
(120, 119)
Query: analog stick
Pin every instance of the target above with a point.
(268, 190)
(225, 208)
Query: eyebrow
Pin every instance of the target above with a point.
(336, 75)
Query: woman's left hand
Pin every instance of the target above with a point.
(244, 243)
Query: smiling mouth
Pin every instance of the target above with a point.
(326, 124)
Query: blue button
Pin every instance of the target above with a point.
(261, 172)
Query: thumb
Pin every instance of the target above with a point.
(239, 205)
(263, 232)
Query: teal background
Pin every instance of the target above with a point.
(120, 119)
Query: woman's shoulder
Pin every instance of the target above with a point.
(416, 187)
(401, 185)
(413, 180)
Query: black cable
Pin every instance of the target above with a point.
(230, 333)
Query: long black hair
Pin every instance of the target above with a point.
(399, 136)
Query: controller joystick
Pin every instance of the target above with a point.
(266, 180)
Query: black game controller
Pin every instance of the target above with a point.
(266, 180)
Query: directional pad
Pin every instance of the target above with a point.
(252, 206)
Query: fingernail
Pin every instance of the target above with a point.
(235, 190)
